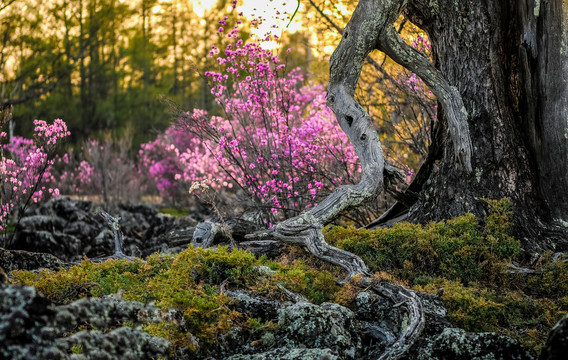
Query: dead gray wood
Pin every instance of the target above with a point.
(370, 28)
(113, 223)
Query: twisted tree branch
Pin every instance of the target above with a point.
(370, 28)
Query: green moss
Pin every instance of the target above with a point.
(77, 349)
(317, 286)
(189, 282)
(470, 307)
(468, 258)
(457, 249)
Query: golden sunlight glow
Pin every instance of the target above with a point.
(272, 23)
(268, 11)
(200, 6)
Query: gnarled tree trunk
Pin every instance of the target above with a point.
(508, 60)
(498, 129)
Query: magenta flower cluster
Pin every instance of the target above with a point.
(176, 159)
(51, 133)
(26, 167)
(277, 140)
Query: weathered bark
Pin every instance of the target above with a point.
(548, 125)
(508, 61)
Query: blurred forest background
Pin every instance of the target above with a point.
(103, 66)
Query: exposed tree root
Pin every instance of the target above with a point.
(401, 296)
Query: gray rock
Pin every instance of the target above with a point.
(328, 326)
(255, 307)
(285, 353)
(33, 328)
(71, 229)
(455, 343)
(556, 347)
(25, 260)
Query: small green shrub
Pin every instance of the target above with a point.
(457, 249)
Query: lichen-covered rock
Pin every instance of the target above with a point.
(327, 326)
(285, 353)
(31, 327)
(255, 307)
(556, 347)
(71, 229)
(24, 260)
(455, 343)
(435, 314)
(372, 307)
(123, 343)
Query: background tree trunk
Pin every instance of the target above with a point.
(508, 61)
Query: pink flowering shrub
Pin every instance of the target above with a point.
(26, 168)
(277, 140)
(102, 169)
(175, 159)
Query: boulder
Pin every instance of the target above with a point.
(455, 343)
(24, 260)
(327, 326)
(556, 347)
(31, 327)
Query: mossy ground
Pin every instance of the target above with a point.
(175, 212)
(464, 256)
(190, 282)
(468, 258)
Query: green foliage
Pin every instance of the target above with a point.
(552, 282)
(317, 286)
(468, 261)
(457, 249)
(77, 349)
(470, 307)
(175, 212)
(479, 308)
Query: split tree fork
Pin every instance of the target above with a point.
(370, 28)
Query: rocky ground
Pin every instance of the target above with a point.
(61, 232)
